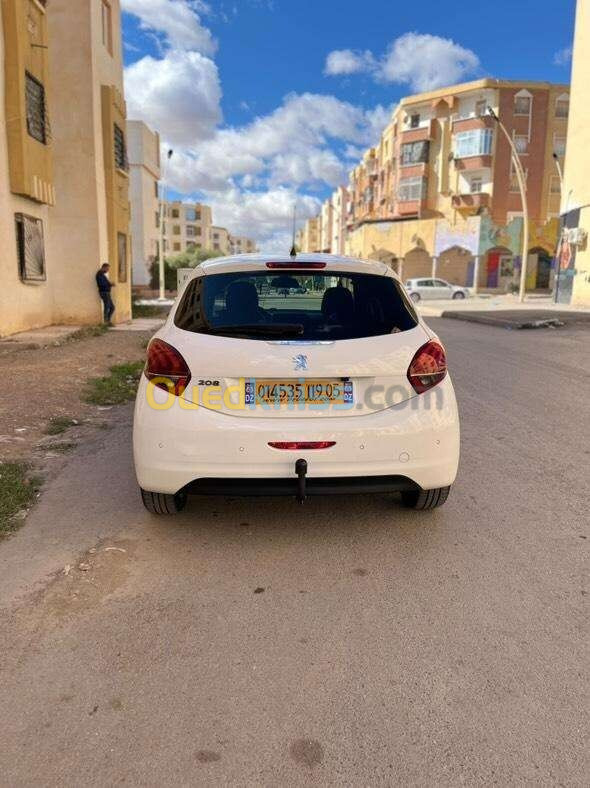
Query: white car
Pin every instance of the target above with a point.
(425, 288)
(304, 375)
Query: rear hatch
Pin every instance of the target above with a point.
(285, 342)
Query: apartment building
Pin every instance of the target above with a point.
(186, 226)
(238, 244)
(144, 175)
(573, 258)
(439, 193)
(64, 205)
(308, 239)
(339, 202)
(220, 240)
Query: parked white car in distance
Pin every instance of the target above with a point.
(430, 289)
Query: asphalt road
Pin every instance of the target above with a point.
(345, 642)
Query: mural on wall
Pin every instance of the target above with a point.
(506, 236)
(465, 235)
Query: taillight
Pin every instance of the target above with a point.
(296, 264)
(428, 367)
(164, 361)
(301, 445)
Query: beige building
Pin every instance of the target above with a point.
(573, 285)
(186, 226)
(144, 174)
(238, 244)
(220, 240)
(63, 162)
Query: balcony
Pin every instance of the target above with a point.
(466, 163)
(423, 133)
(410, 207)
(470, 203)
(469, 124)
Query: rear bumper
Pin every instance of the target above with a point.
(413, 444)
(326, 485)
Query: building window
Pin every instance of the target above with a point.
(107, 26)
(562, 107)
(30, 248)
(555, 184)
(514, 187)
(176, 229)
(122, 256)
(559, 145)
(521, 143)
(191, 215)
(522, 105)
(414, 121)
(216, 247)
(475, 185)
(175, 213)
(477, 142)
(121, 162)
(176, 246)
(36, 109)
(481, 108)
(191, 246)
(411, 189)
(415, 153)
(157, 218)
(156, 190)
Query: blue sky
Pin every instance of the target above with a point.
(266, 100)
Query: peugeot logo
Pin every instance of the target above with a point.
(300, 362)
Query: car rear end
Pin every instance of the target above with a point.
(295, 376)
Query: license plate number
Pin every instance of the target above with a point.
(308, 392)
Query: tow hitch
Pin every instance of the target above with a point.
(301, 471)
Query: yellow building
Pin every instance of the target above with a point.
(64, 205)
(186, 226)
(573, 284)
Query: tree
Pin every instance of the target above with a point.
(189, 259)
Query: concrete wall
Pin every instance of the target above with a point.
(144, 174)
(576, 197)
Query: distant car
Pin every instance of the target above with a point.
(423, 289)
(249, 394)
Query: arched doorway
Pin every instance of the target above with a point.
(456, 266)
(539, 266)
(417, 262)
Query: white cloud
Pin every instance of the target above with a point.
(422, 61)
(348, 61)
(177, 20)
(178, 95)
(427, 62)
(269, 212)
(563, 56)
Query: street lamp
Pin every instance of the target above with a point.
(525, 209)
(162, 296)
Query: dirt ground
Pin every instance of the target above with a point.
(39, 384)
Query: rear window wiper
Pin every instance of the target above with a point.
(264, 329)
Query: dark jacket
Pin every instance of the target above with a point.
(102, 281)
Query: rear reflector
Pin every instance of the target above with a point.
(301, 445)
(165, 362)
(428, 367)
(295, 264)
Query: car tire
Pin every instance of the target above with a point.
(458, 295)
(415, 297)
(163, 503)
(423, 500)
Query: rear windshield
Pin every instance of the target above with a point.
(274, 305)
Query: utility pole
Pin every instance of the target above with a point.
(162, 190)
(525, 209)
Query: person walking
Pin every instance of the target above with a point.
(104, 290)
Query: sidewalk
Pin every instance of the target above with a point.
(507, 311)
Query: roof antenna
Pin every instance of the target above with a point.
(293, 252)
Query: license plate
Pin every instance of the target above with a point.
(308, 392)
